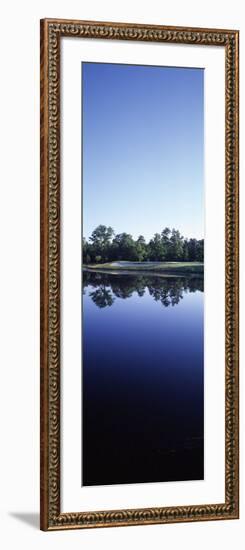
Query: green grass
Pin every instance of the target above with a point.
(159, 267)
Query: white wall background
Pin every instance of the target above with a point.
(19, 288)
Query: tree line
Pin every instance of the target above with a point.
(169, 245)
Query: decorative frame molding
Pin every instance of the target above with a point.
(52, 31)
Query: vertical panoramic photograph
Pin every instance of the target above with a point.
(142, 274)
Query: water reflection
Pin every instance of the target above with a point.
(166, 290)
(142, 378)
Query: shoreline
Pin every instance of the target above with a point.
(159, 272)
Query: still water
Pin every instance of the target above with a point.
(142, 379)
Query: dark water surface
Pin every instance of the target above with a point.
(142, 379)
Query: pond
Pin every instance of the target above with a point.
(142, 383)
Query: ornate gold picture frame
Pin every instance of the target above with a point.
(52, 33)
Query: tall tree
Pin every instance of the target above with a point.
(169, 245)
(125, 247)
(200, 250)
(102, 235)
(176, 245)
(156, 249)
(141, 248)
(101, 240)
(185, 255)
(192, 249)
(165, 235)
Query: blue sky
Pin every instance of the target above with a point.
(143, 149)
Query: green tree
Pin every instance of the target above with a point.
(87, 259)
(185, 255)
(192, 249)
(102, 235)
(156, 249)
(101, 240)
(176, 245)
(169, 245)
(165, 236)
(86, 251)
(141, 248)
(125, 247)
(200, 250)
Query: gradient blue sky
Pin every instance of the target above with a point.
(143, 149)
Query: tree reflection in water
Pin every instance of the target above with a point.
(102, 297)
(167, 290)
